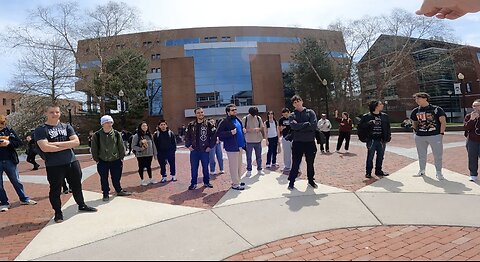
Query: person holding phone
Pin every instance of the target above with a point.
(472, 127)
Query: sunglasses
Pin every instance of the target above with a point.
(233, 110)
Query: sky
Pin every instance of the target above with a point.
(174, 14)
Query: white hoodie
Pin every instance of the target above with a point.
(324, 125)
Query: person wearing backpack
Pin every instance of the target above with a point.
(429, 125)
(145, 151)
(345, 130)
(254, 136)
(272, 131)
(284, 128)
(55, 141)
(9, 142)
(166, 145)
(303, 122)
(108, 151)
(325, 126)
(374, 130)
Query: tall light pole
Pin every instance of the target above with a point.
(325, 83)
(450, 93)
(122, 109)
(386, 106)
(69, 108)
(461, 77)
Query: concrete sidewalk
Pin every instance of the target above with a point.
(129, 229)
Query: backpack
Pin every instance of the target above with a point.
(363, 132)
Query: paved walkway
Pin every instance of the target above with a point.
(266, 221)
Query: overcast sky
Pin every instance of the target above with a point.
(173, 14)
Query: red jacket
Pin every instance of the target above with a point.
(472, 128)
(347, 125)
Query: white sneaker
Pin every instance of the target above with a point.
(4, 208)
(174, 178)
(473, 178)
(221, 172)
(420, 174)
(153, 181)
(269, 166)
(144, 182)
(164, 180)
(212, 174)
(28, 203)
(261, 173)
(440, 176)
(249, 173)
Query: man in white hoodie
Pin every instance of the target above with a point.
(325, 126)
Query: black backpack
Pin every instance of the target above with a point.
(363, 132)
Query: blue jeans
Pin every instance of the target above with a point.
(473, 149)
(11, 171)
(216, 151)
(195, 158)
(379, 147)
(258, 155)
(115, 168)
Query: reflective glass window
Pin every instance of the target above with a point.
(154, 94)
(184, 41)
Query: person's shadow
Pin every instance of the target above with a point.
(388, 184)
(449, 187)
(296, 203)
(179, 199)
(72, 210)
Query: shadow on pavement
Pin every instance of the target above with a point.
(179, 199)
(388, 184)
(449, 187)
(16, 229)
(296, 203)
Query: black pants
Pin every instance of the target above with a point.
(327, 142)
(56, 176)
(309, 149)
(145, 163)
(31, 160)
(272, 150)
(115, 169)
(163, 157)
(344, 136)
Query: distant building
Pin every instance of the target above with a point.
(10, 103)
(395, 68)
(213, 67)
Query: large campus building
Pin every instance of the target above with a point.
(395, 68)
(213, 67)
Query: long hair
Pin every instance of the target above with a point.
(267, 123)
(141, 133)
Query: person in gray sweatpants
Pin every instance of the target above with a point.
(429, 124)
(284, 125)
(472, 127)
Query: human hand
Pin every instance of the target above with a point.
(449, 9)
(4, 143)
(474, 115)
(190, 148)
(208, 150)
(234, 131)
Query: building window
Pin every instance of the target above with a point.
(147, 43)
(13, 102)
(155, 56)
(226, 39)
(4, 101)
(211, 39)
(152, 70)
(8, 111)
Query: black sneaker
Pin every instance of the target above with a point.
(124, 193)
(291, 186)
(192, 187)
(106, 198)
(36, 167)
(313, 184)
(242, 184)
(58, 218)
(86, 208)
(208, 185)
(368, 175)
(381, 173)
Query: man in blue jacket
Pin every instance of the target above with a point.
(232, 133)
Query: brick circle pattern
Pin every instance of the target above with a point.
(385, 243)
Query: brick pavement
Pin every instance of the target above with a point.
(378, 243)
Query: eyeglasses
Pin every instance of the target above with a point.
(233, 109)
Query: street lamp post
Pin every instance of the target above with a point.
(386, 107)
(450, 93)
(122, 109)
(69, 108)
(325, 83)
(461, 77)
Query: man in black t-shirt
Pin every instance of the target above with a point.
(284, 124)
(429, 124)
(57, 140)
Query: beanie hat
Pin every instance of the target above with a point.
(106, 119)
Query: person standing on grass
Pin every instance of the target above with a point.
(429, 125)
(345, 130)
(56, 141)
(200, 139)
(231, 132)
(216, 152)
(166, 145)
(108, 151)
(9, 142)
(145, 151)
(272, 131)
